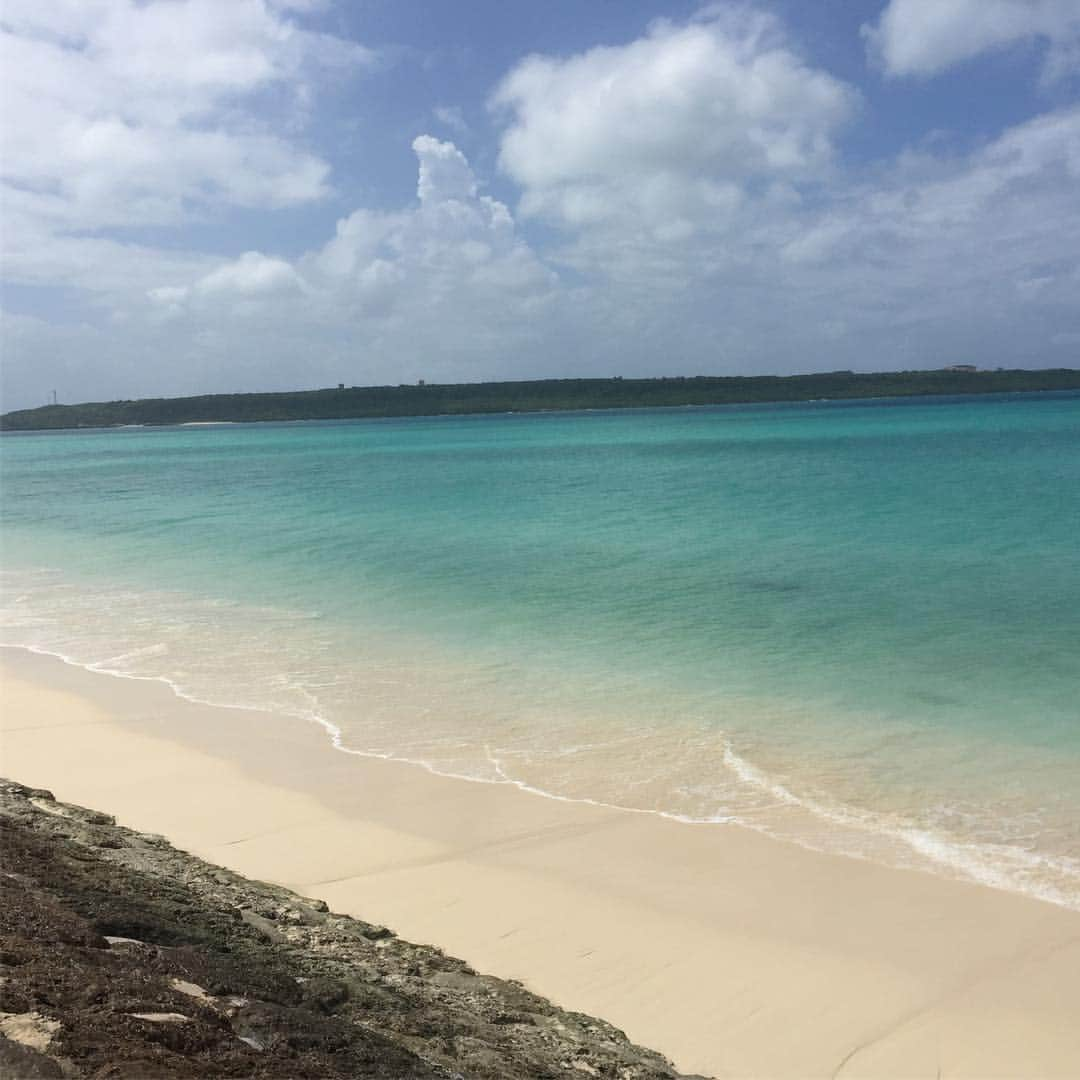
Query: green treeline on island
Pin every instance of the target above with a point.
(359, 402)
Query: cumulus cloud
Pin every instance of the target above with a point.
(444, 172)
(926, 37)
(252, 276)
(931, 260)
(706, 221)
(444, 281)
(671, 128)
(122, 114)
(451, 270)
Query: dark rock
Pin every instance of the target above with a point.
(270, 984)
(25, 1063)
(325, 994)
(10, 787)
(303, 915)
(377, 933)
(263, 925)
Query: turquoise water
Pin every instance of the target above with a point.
(853, 625)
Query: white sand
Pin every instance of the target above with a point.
(734, 954)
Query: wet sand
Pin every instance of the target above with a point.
(733, 953)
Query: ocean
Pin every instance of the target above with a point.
(851, 625)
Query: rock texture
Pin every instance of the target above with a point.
(123, 957)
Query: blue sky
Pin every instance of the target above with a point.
(206, 196)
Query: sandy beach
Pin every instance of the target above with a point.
(732, 953)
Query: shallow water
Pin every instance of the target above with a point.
(851, 624)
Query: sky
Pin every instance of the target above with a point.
(205, 196)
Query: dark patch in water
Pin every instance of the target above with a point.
(769, 586)
(930, 697)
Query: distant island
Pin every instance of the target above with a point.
(540, 395)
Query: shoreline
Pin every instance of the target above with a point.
(798, 821)
(731, 952)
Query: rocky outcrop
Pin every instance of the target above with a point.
(123, 957)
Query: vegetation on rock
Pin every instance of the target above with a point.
(359, 402)
(123, 957)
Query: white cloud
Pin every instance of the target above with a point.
(706, 223)
(454, 257)
(181, 55)
(1017, 177)
(926, 37)
(122, 114)
(253, 274)
(669, 129)
(94, 265)
(444, 172)
(694, 177)
(928, 260)
(444, 281)
(169, 294)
